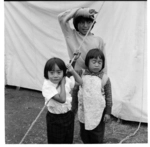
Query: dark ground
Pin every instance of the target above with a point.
(23, 105)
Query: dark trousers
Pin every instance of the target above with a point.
(93, 136)
(60, 128)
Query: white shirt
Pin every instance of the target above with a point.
(49, 90)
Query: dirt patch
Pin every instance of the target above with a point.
(23, 105)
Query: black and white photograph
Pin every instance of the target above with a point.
(75, 72)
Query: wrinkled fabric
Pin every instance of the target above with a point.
(33, 35)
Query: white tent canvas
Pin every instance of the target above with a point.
(33, 35)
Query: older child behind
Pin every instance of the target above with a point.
(95, 98)
(82, 19)
(56, 90)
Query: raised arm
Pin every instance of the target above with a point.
(77, 55)
(64, 17)
(69, 74)
(78, 79)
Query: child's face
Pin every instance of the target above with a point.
(83, 26)
(95, 64)
(55, 75)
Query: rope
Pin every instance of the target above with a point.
(87, 33)
(48, 101)
(131, 134)
(33, 123)
(124, 139)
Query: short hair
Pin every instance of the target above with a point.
(50, 65)
(78, 19)
(94, 53)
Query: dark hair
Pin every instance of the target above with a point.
(78, 19)
(94, 53)
(50, 64)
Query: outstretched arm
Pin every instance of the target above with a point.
(69, 74)
(77, 55)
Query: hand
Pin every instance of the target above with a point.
(92, 12)
(106, 118)
(77, 54)
(103, 92)
(69, 68)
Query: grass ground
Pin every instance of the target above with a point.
(23, 105)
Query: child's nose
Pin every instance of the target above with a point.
(55, 74)
(85, 24)
(96, 64)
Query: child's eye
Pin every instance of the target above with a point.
(59, 72)
(51, 72)
(94, 61)
(81, 22)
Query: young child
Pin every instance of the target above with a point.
(56, 90)
(95, 98)
(82, 19)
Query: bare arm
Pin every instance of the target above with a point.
(75, 74)
(67, 15)
(77, 53)
(69, 74)
(64, 17)
(61, 97)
